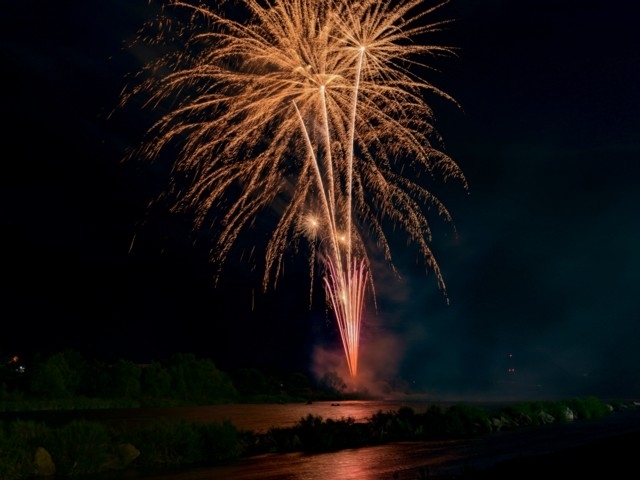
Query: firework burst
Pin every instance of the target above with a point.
(310, 104)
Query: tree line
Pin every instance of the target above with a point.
(183, 378)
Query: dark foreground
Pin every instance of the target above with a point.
(613, 458)
(605, 448)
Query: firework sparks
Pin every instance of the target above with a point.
(311, 104)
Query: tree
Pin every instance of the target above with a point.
(250, 381)
(198, 380)
(125, 379)
(332, 383)
(57, 376)
(155, 381)
(298, 385)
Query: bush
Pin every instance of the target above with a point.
(167, 444)
(391, 426)
(15, 454)
(220, 442)
(589, 408)
(433, 423)
(318, 435)
(465, 421)
(558, 410)
(79, 447)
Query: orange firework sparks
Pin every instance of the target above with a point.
(312, 104)
(346, 292)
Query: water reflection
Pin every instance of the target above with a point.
(255, 417)
(260, 418)
(395, 461)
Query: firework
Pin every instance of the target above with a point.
(310, 104)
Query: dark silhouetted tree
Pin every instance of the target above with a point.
(57, 376)
(125, 379)
(155, 381)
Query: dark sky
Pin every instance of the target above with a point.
(543, 266)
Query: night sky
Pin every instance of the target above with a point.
(543, 263)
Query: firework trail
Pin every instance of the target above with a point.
(310, 104)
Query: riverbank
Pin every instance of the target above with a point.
(456, 440)
(598, 448)
(572, 450)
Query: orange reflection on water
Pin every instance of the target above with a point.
(405, 460)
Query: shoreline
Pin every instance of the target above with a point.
(578, 448)
(506, 450)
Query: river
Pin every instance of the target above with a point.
(254, 417)
(261, 417)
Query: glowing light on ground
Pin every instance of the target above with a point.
(310, 104)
